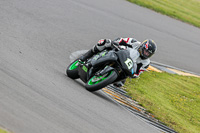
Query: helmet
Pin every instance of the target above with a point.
(147, 49)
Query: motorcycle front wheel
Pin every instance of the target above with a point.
(98, 82)
(72, 70)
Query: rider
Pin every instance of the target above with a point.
(139, 52)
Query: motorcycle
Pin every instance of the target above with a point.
(104, 68)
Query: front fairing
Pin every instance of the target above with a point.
(126, 62)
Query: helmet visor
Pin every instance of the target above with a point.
(146, 53)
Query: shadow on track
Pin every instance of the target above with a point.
(98, 93)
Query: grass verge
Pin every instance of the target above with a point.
(3, 131)
(173, 99)
(185, 10)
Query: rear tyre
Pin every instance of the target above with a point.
(98, 82)
(72, 70)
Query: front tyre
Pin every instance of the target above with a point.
(72, 70)
(98, 82)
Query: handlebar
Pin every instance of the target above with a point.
(116, 45)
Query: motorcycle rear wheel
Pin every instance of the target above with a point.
(98, 82)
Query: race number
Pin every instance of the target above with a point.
(129, 63)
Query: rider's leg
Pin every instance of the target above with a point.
(96, 48)
(87, 55)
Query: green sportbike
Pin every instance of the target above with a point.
(104, 68)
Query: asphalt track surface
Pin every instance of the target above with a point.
(36, 40)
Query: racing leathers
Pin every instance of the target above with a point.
(130, 44)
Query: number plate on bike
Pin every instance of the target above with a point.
(84, 68)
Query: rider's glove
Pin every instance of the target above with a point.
(124, 43)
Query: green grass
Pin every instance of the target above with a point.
(173, 99)
(3, 131)
(185, 10)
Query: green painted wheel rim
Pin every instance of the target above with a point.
(74, 65)
(95, 80)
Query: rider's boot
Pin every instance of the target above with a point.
(89, 54)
